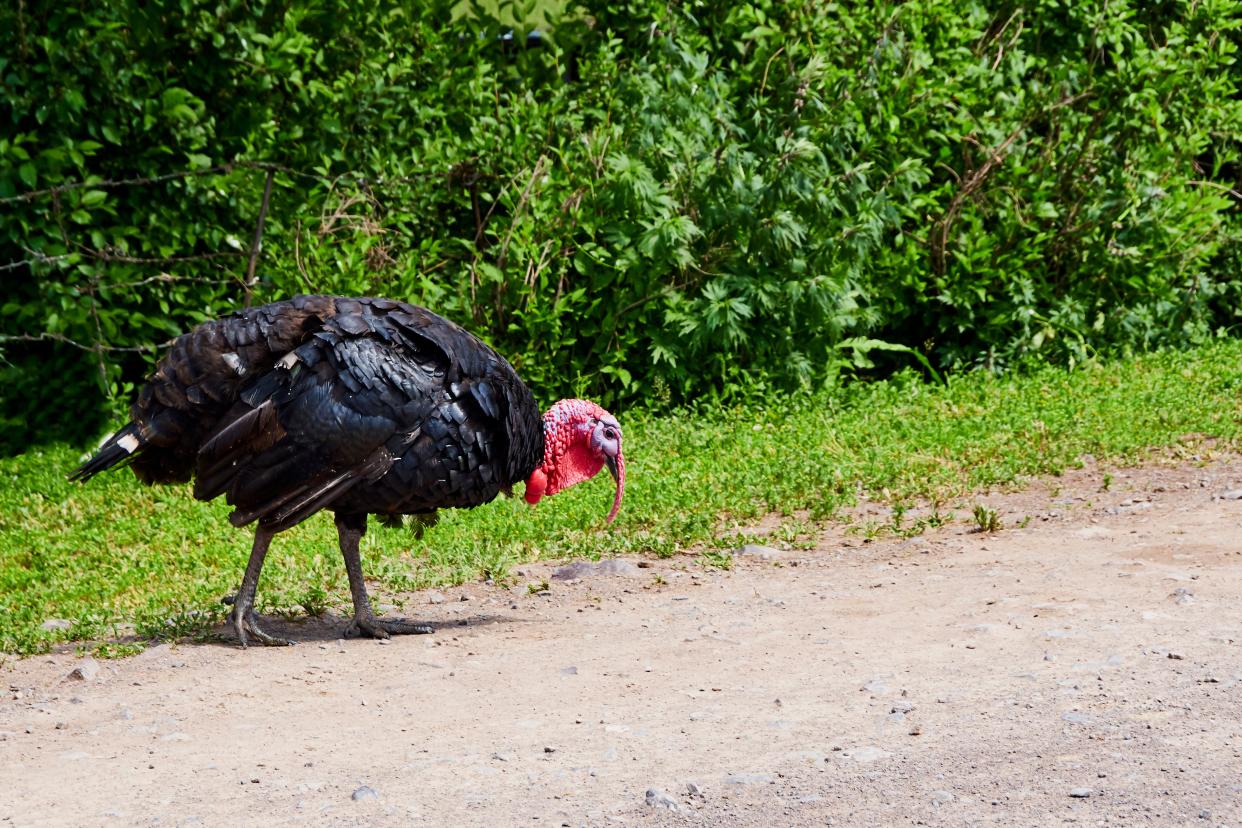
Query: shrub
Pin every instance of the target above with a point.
(659, 202)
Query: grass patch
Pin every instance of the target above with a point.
(113, 552)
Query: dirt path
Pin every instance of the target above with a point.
(1086, 668)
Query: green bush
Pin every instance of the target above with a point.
(663, 201)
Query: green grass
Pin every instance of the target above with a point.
(113, 552)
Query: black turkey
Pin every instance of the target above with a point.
(361, 406)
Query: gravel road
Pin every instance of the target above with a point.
(1082, 665)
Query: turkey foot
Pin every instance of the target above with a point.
(249, 624)
(368, 625)
(350, 528)
(243, 616)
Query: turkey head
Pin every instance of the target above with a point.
(580, 438)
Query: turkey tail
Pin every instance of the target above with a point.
(116, 450)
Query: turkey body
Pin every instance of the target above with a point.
(361, 406)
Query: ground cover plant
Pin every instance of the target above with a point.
(117, 552)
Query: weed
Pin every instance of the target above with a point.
(538, 587)
(986, 520)
(716, 560)
(117, 650)
(314, 601)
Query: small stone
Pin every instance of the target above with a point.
(941, 797)
(1182, 596)
(749, 779)
(758, 551)
(1075, 717)
(365, 792)
(569, 671)
(55, 624)
(901, 706)
(694, 790)
(656, 798)
(436, 597)
(1232, 494)
(383, 641)
(877, 687)
(868, 754)
(586, 569)
(86, 670)
(1080, 793)
(502, 757)
(547, 749)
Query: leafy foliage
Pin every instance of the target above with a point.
(660, 202)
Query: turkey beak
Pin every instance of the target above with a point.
(616, 466)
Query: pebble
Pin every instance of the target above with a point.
(749, 779)
(86, 670)
(1077, 718)
(569, 671)
(54, 624)
(436, 597)
(902, 706)
(1232, 494)
(365, 792)
(1080, 793)
(1182, 596)
(656, 798)
(941, 797)
(694, 790)
(869, 753)
(877, 687)
(755, 550)
(587, 569)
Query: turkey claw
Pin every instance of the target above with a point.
(373, 627)
(249, 623)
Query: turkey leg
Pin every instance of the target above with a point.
(350, 529)
(243, 616)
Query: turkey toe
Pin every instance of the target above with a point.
(384, 627)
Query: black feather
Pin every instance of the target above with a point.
(359, 405)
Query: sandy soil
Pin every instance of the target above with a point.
(1086, 668)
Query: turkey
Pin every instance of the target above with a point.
(361, 406)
